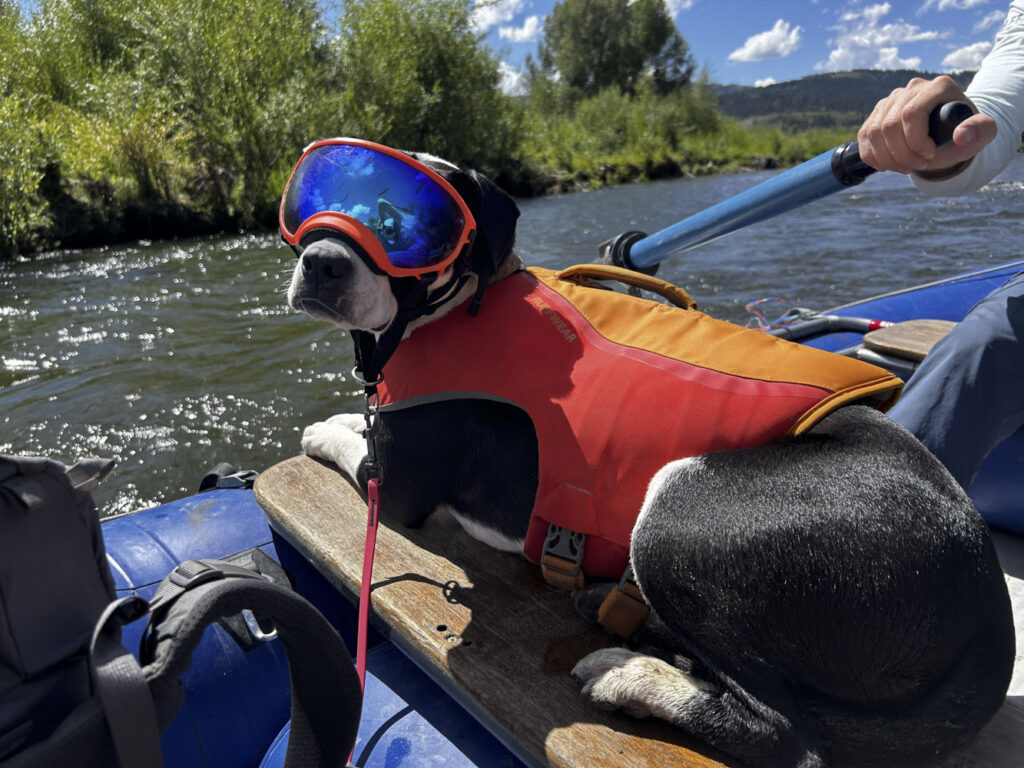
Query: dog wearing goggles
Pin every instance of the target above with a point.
(832, 598)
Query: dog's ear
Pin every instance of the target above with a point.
(495, 213)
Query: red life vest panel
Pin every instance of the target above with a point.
(617, 387)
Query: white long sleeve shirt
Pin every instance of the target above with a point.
(998, 91)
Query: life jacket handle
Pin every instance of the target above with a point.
(585, 274)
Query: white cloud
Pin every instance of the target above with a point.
(676, 6)
(511, 79)
(779, 41)
(987, 21)
(524, 34)
(862, 41)
(490, 13)
(945, 5)
(764, 82)
(889, 58)
(968, 57)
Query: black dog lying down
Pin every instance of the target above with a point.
(831, 599)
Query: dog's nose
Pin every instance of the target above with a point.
(324, 266)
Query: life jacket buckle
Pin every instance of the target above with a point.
(562, 559)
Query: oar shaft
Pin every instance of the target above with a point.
(830, 172)
(779, 194)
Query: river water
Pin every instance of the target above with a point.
(170, 357)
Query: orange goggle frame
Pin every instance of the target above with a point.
(408, 219)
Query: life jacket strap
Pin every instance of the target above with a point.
(586, 274)
(624, 608)
(562, 558)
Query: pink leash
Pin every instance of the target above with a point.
(372, 508)
(363, 622)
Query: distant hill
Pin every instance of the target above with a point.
(833, 100)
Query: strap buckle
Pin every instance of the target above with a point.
(562, 559)
(192, 573)
(624, 608)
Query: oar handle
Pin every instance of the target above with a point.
(830, 172)
(850, 170)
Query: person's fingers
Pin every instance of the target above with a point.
(900, 156)
(926, 97)
(895, 137)
(969, 138)
(871, 141)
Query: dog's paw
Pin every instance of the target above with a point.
(617, 678)
(339, 439)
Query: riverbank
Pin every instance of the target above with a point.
(91, 215)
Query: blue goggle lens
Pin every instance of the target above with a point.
(415, 219)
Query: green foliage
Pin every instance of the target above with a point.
(417, 77)
(597, 44)
(614, 136)
(22, 212)
(23, 155)
(120, 118)
(247, 83)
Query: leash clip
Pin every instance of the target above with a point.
(370, 409)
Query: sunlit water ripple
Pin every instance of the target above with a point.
(170, 357)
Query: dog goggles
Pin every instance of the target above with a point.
(407, 218)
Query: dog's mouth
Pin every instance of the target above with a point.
(320, 310)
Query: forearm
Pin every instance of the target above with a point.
(998, 91)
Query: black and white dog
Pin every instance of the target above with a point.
(828, 599)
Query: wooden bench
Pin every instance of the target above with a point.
(486, 627)
(911, 339)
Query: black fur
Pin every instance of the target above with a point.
(841, 583)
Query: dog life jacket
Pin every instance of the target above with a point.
(618, 386)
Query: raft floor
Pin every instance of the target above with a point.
(485, 626)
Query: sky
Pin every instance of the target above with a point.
(759, 42)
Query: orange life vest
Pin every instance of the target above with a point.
(616, 387)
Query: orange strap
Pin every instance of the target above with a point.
(585, 274)
(624, 608)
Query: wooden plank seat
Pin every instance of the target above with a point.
(911, 339)
(486, 627)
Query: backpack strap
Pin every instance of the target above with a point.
(122, 688)
(326, 699)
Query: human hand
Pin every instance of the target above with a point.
(895, 135)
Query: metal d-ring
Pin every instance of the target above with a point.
(363, 382)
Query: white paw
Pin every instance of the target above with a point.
(339, 439)
(616, 678)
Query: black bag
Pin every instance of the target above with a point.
(70, 694)
(54, 584)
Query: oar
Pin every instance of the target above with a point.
(830, 172)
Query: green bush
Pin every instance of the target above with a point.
(23, 212)
(417, 77)
(193, 111)
(249, 83)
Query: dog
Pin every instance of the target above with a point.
(827, 599)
